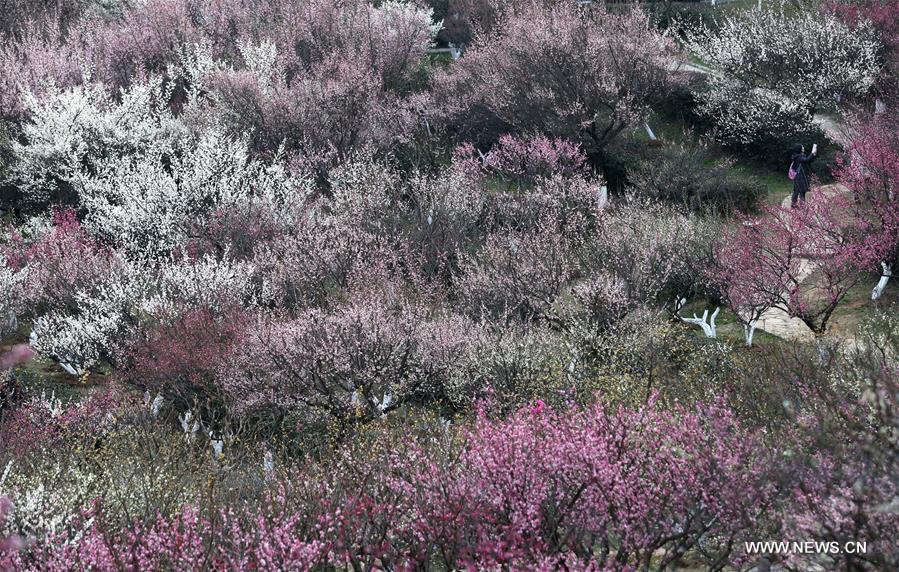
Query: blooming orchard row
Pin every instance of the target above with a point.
(348, 305)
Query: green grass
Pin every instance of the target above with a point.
(858, 306)
(776, 183)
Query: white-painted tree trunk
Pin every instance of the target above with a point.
(707, 325)
(749, 332)
(268, 465)
(70, 369)
(602, 197)
(882, 283)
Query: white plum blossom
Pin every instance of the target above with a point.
(69, 128)
(148, 204)
(144, 288)
(11, 283)
(772, 69)
(810, 57)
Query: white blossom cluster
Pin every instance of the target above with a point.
(47, 503)
(148, 204)
(69, 130)
(200, 282)
(11, 283)
(743, 116)
(141, 289)
(771, 67)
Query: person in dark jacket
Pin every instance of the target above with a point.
(801, 163)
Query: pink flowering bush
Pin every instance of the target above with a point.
(334, 78)
(524, 160)
(520, 273)
(586, 75)
(587, 484)
(353, 362)
(58, 263)
(803, 260)
(44, 421)
(591, 487)
(180, 356)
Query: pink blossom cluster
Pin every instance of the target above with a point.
(43, 421)
(60, 261)
(803, 260)
(526, 159)
(872, 173)
(10, 544)
(591, 488)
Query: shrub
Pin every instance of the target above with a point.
(214, 173)
(351, 364)
(773, 71)
(9, 543)
(331, 80)
(98, 326)
(55, 266)
(523, 273)
(644, 247)
(583, 487)
(680, 174)
(847, 420)
(181, 356)
(583, 75)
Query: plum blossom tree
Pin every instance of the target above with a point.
(849, 486)
(646, 247)
(71, 131)
(872, 173)
(56, 263)
(772, 70)
(802, 261)
(585, 74)
(522, 273)
(352, 364)
(525, 160)
(100, 321)
(808, 59)
(329, 79)
(148, 206)
(465, 19)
